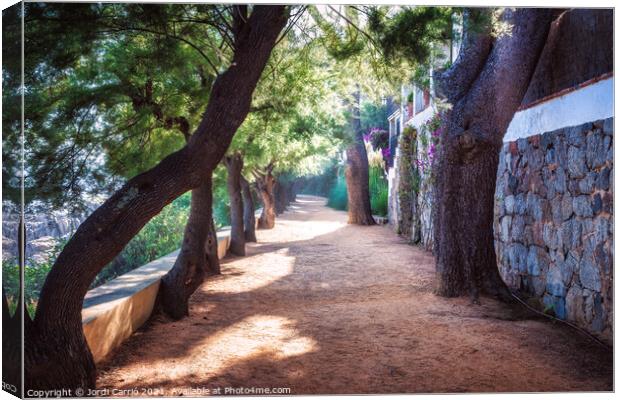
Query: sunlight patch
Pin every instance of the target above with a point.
(262, 271)
(264, 336)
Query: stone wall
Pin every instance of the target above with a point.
(410, 202)
(411, 191)
(554, 222)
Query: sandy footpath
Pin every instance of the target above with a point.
(319, 306)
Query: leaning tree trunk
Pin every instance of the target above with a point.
(234, 165)
(356, 173)
(198, 256)
(249, 220)
(485, 86)
(57, 355)
(194, 261)
(265, 183)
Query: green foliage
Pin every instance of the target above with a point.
(411, 33)
(374, 115)
(421, 77)
(409, 179)
(378, 186)
(342, 41)
(34, 277)
(221, 203)
(337, 197)
(111, 90)
(319, 184)
(299, 119)
(10, 281)
(107, 85)
(160, 236)
(430, 140)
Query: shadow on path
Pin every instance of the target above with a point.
(319, 306)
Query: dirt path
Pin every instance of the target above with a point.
(320, 306)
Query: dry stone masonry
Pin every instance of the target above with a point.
(554, 222)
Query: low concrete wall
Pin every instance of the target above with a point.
(115, 310)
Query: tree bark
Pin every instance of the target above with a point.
(234, 165)
(356, 173)
(280, 192)
(213, 259)
(249, 220)
(198, 256)
(195, 260)
(57, 355)
(484, 100)
(265, 183)
(292, 192)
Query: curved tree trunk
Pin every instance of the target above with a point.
(485, 87)
(198, 256)
(195, 258)
(356, 173)
(265, 183)
(234, 165)
(56, 353)
(249, 220)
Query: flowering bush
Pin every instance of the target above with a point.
(430, 135)
(378, 138)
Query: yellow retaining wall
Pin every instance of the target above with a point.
(115, 310)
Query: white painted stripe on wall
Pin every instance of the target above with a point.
(421, 117)
(590, 103)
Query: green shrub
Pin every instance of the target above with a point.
(34, 276)
(221, 206)
(160, 236)
(337, 197)
(319, 185)
(378, 186)
(10, 282)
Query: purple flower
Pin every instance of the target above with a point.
(385, 152)
(437, 132)
(366, 137)
(431, 150)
